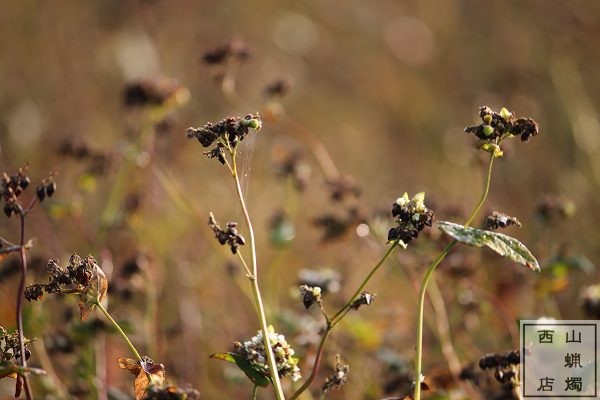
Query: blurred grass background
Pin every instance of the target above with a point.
(387, 87)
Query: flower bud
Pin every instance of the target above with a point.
(505, 114)
(487, 130)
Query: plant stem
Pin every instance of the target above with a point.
(118, 328)
(255, 288)
(342, 311)
(254, 391)
(486, 190)
(339, 315)
(427, 278)
(23, 357)
(317, 363)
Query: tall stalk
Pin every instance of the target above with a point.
(23, 358)
(260, 309)
(429, 274)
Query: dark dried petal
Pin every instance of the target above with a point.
(34, 292)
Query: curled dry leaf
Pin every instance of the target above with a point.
(146, 372)
(94, 292)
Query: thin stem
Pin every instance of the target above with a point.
(118, 328)
(22, 358)
(255, 288)
(427, 278)
(254, 391)
(339, 315)
(248, 272)
(317, 363)
(486, 190)
(346, 307)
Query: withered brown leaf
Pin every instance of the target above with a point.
(146, 372)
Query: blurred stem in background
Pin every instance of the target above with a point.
(429, 274)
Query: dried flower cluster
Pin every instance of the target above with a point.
(552, 209)
(497, 125)
(232, 50)
(98, 162)
(365, 299)
(253, 350)
(12, 186)
(506, 366)
(9, 346)
(277, 88)
(229, 236)
(411, 216)
(310, 295)
(81, 276)
(338, 378)
(500, 220)
(227, 133)
(154, 93)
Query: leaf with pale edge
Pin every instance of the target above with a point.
(251, 372)
(504, 245)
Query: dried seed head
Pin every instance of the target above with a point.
(310, 295)
(365, 299)
(229, 236)
(501, 220)
(338, 378)
(412, 216)
(226, 133)
(232, 50)
(496, 126)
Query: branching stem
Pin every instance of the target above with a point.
(339, 315)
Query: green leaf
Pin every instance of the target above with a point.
(250, 370)
(504, 245)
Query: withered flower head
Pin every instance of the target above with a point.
(342, 187)
(412, 216)
(338, 378)
(290, 163)
(506, 366)
(227, 133)
(81, 276)
(232, 50)
(552, 209)
(10, 349)
(229, 236)
(12, 186)
(277, 88)
(154, 93)
(365, 299)
(310, 295)
(496, 126)
(253, 350)
(501, 220)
